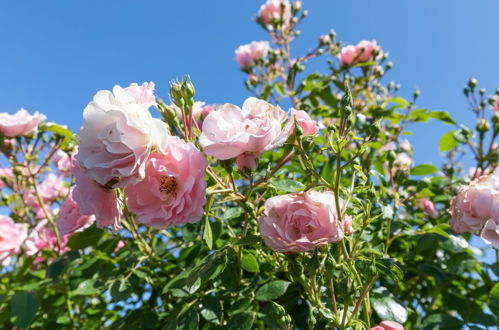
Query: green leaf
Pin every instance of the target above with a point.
(389, 309)
(60, 131)
(249, 263)
(441, 321)
(233, 212)
(447, 142)
(120, 290)
(249, 240)
(272, 290)
(494, 296)
(189, 320)
(211, 309)
(242, 321)
(288, 185)
(208, 234)
(86, 288)
(424, 169)
(23, 308)
(86, 238)
(443, 116)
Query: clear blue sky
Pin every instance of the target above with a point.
(56, 54)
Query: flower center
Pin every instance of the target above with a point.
(168, 185)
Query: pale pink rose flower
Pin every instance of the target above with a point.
(403, 161)
(173, 190)
(368, 50)
(117, 136)
(70, 218)
(300, 222)
(476, 203)
(428, 207)
(52, 187)
(348, 225)
(20, 123)
(347, 55)
(490, 232)
(405, 146)
(62, 161)
(390, 146)
(247, 161)
(6, 176)
(144, 94)
(95, 199)
(42, 237)
(307, 125)
(325, 39)
(232, 131)
(12, 236)
(495, 106)
(247, 55)
(388, 325)
(272, 11)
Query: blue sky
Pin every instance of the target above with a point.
(56, 54)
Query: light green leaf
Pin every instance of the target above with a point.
(249, 263)
(288, 185)
(447, 142)
(86, 288)
(389, 309)
(211, 309)
(424, 169)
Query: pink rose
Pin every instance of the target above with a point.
(367, 50)
(388, 325)
(476, 203)
(43, 238)
(117, 136)
(174, 188)
(247, 55)
(300, 222)
(20, 123)
(428, 207)
(51, 188)
(6, 176)
(12, 236)
(495, 105)
(70, 218)
(62, 161)
(347, 55)
(348, 225)
(388, 147)
(490, 233)
(405, 146)
(307, 125)
(403, 162)
(144, 94)
(275, 10)
(230, 131)
(247, 161)
(92, 198)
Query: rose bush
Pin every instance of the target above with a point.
(247, 216)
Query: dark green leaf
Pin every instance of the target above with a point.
(249, 240)
(494, 296)
(86, 238)
(23, 308)
(441, 321)
(211, 309)
(242, 321)
(272, 290)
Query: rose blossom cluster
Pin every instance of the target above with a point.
(303, 221)
(249, 54)
(122, 146)
(364, 51)
(244, 133)
(275, 12)
(476, 207)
